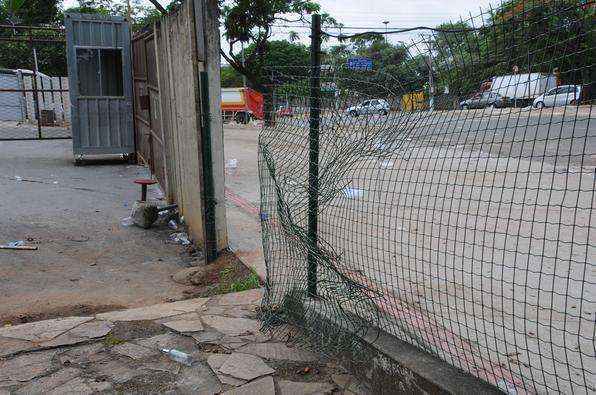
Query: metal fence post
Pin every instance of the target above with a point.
(313, 157)
(208, 182)
(34, 84)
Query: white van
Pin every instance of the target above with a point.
(523, 86)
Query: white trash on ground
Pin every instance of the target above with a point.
(231, 163)
(127, 221)
(353, 192)
(181, 238)
(16, 243)
(385, 164)
(178, 356)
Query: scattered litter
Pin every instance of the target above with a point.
(264, 216)
(507, 387)
(306, 370)
(353, 192)
(144, 214)
(16, 243)
(55, 182)
(386, 164)
(181, 238)
(126, 222)
(231, 163)
(172, 224)
(178, 356)
(182, 220)
(380, 146)
(18, 178)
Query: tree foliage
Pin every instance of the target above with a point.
(29, 12)
(230, 78)
(250, 22)
(519, 37)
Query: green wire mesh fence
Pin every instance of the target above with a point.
(455, 196)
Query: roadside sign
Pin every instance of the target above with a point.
(360, 63)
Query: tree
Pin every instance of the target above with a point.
(230, 78)
(394, 70)
(29, 12)
(519, 37)
(250, 22)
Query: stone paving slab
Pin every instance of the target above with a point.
(184, 326)
(79, 334)
(81, 386)
(298, 388)
(250, 297)
(9, 346)
(245, 366)
(215, 361)
(26, 367)
(278, 351)
(44, 384)
(84, 355)
(134, 351)
(231, 326)
(155, 311)
(93, 352)
(263, 386)
(43, 330)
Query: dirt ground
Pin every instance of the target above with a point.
(86, 261)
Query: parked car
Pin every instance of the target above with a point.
(483, 100)
(374, 106)
(560, 96)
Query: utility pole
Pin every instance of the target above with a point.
(242, 58)
(385, 23)
(313, 153)
(128, 10)
(431, 82)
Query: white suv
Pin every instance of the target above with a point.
(374, 106)
(559, 96)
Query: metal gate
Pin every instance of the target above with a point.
(99, 65)
(149, 133)
(34, 102)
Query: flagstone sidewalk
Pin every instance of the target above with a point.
(119, 352)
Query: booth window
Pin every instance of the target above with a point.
(100, 72)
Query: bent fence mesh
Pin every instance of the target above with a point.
(34, 100)
(467, 232)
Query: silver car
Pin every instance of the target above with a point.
(560, 96)
(374, 106)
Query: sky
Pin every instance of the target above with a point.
(372, 13)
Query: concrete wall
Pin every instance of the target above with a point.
(210, 19)
(170, 132)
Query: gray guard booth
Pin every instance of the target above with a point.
(100, 80)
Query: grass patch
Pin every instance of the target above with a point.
(111, 340)
(251, 281)
(233, 280)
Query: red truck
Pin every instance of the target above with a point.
(241, 104)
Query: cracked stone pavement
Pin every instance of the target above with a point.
(118, 352)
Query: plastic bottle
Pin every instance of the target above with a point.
(178, 356)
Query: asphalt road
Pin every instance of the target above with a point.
(561, 136)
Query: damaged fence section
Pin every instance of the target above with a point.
(454, 197)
